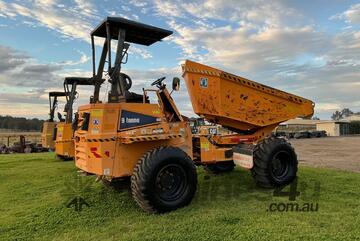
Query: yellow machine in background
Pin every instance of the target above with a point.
(64, 143)
(47, 135)
(152, 142)
(64, 132)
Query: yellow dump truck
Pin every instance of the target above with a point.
(48, 128)
(128, 136)
(64, 131)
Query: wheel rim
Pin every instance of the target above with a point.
(171, 182)
(280, 165)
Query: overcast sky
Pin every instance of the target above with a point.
(309, 48)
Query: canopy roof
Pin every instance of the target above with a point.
(136, 32)
(57, 93)
(79, 80)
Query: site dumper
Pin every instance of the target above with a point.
(47, 135)
(152, 143)
(64, 143)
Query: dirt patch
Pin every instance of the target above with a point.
(332, 152)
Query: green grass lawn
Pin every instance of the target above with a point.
(36, 188)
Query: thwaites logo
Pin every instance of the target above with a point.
(130, 119)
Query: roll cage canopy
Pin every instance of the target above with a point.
(79, 81)
(53, 95)
(70, 85)
(125, 32)
(136, 32)
(57, 94)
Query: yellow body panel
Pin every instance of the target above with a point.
(106, 149)
(211, 153)
(47, 134)
(64, 143)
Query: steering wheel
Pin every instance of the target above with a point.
(128, 81)
(158, 82)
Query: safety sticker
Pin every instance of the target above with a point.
(96, 113)
(212, 131)
(158, 131)
(106, 171)
(182, 131)
(204, 145)
(94, 131)
(203, 82)
(156, 112)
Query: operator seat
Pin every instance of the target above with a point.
(132, 97)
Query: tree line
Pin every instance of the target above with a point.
(23, 124)
(346, 112)
(354, 126)
(20, 123)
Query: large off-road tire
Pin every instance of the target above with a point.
(275, 163)
(163, 180)
(220, 167)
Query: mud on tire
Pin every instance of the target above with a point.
(163, 180)
(275, 163)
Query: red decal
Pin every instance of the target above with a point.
(94, 152)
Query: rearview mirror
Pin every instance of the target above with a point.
(176, 84)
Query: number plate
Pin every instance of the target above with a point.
(243, 160)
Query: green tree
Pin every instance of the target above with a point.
(337, 115)
(20, 123)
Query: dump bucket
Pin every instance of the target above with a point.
(239, 103)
